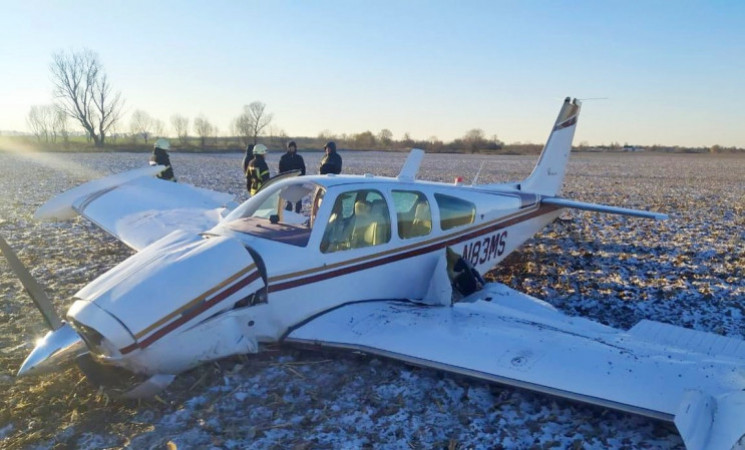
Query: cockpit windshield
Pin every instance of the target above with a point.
(283, 213)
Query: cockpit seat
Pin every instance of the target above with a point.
(363, 230)
(379, 213)
(421, 225)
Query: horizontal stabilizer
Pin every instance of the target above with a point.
(564, 203)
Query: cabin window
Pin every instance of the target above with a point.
(454, 212)
(358, 219)
(413, 212)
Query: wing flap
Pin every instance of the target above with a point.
(691, 340)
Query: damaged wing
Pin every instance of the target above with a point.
(137, 208)
(504, 336)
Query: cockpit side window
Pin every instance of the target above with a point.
(413, 213)
(358, 219)
(454, 212)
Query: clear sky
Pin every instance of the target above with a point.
(673, 72)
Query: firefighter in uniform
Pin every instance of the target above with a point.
(246, 160)
(258, 172)
(160, 158)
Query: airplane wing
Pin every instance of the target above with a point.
(137, 208)
(504, 336)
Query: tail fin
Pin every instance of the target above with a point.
(548, 174)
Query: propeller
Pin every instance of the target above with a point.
(33, 288)
(63, 343)
(60, 344)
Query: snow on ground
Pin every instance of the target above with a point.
(687, 271)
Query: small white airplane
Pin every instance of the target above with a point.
(386, 266)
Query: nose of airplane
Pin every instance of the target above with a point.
(173, 304)
(57, 347)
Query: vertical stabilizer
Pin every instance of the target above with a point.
(548, 174)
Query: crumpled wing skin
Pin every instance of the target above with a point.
(137, 208)
(509, 337)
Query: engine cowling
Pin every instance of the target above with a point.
(172, 305)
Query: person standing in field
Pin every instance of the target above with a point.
(292, 161)
(247, 159)
(331, 162)
(258, 171)
(160, 158)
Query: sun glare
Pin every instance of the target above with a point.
(46, 159)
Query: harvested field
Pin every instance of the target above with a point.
(688, 271)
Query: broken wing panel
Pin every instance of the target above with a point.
(139, 209)
(521, 341)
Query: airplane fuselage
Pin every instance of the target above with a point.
(257, 276)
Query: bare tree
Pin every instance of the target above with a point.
(115, 133)
(84, 93)
(364, 140)
(141, 124)
(203, 128)
(48, 123)
(474, 139)
(277, 137)
(180, 126)
(434, 144)
(252, 122)
(385, 137)
(59, 127)
(159, 128)
(325, 136)
(40, 119)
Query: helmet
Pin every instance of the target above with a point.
(163, 143)
(259, 149)
(331, 145)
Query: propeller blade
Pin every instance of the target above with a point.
(32, 287)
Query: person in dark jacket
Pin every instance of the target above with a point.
(292, 161)
(258, 171)
(247, 159)
(331, 162)
(160, 158)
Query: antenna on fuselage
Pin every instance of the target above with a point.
(476, 178)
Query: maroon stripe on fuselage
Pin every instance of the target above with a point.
(567, 123)
(409, 254)
(190, 314)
